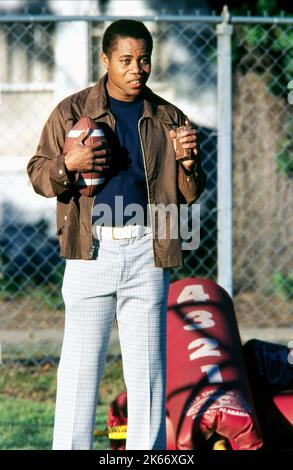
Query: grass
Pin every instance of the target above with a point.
(46, 295)
(28, 425)
(27, 401)
(25, 424)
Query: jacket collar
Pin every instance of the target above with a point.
(97, 103)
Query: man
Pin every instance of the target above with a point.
(121, 271)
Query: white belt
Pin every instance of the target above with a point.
(120, 233)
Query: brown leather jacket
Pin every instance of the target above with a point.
(167, 181)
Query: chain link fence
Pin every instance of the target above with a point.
(262, 176)
(37, 71)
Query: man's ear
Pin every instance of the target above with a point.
(105, 60)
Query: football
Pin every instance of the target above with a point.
(88, 183)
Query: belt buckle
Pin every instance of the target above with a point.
(113, 235)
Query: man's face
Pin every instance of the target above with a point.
(128, 67)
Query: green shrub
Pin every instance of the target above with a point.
(283, 285)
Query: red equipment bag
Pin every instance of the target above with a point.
(207, 387)
(117, 416)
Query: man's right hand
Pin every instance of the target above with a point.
(84, 159)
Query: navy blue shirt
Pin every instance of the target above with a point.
(129, 178)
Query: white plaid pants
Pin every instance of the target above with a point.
(121, 282)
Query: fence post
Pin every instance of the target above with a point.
(224, 125)
(71, 58)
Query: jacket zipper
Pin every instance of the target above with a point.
(146, 175)
(92, 250)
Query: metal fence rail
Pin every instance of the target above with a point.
(230, 75)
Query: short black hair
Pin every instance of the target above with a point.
(125, 29)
